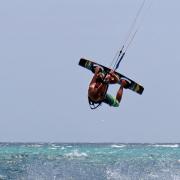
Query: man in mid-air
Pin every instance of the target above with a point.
(97, 92)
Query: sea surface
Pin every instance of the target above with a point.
(89, 161)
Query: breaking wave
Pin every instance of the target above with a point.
(166, 145)
(76, 154)
(118, 146)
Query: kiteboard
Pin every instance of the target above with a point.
(132, 85)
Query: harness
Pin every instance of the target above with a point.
(93, 104)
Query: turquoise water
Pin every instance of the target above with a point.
(59, 161)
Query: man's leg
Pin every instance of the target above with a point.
(120, 91)
(111, 101)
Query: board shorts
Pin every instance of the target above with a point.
(112, 101)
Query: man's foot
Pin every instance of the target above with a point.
(98, 69)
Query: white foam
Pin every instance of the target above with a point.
(166, 145)
(115, 175)
(53, 148)
(69, 146)
(35, 145)
(76, 154)
(153, 175)
(56, 146)
(118, 146)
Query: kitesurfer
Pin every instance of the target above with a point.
(97, 92)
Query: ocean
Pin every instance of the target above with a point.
(89, 161)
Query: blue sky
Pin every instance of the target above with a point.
(44, 91)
